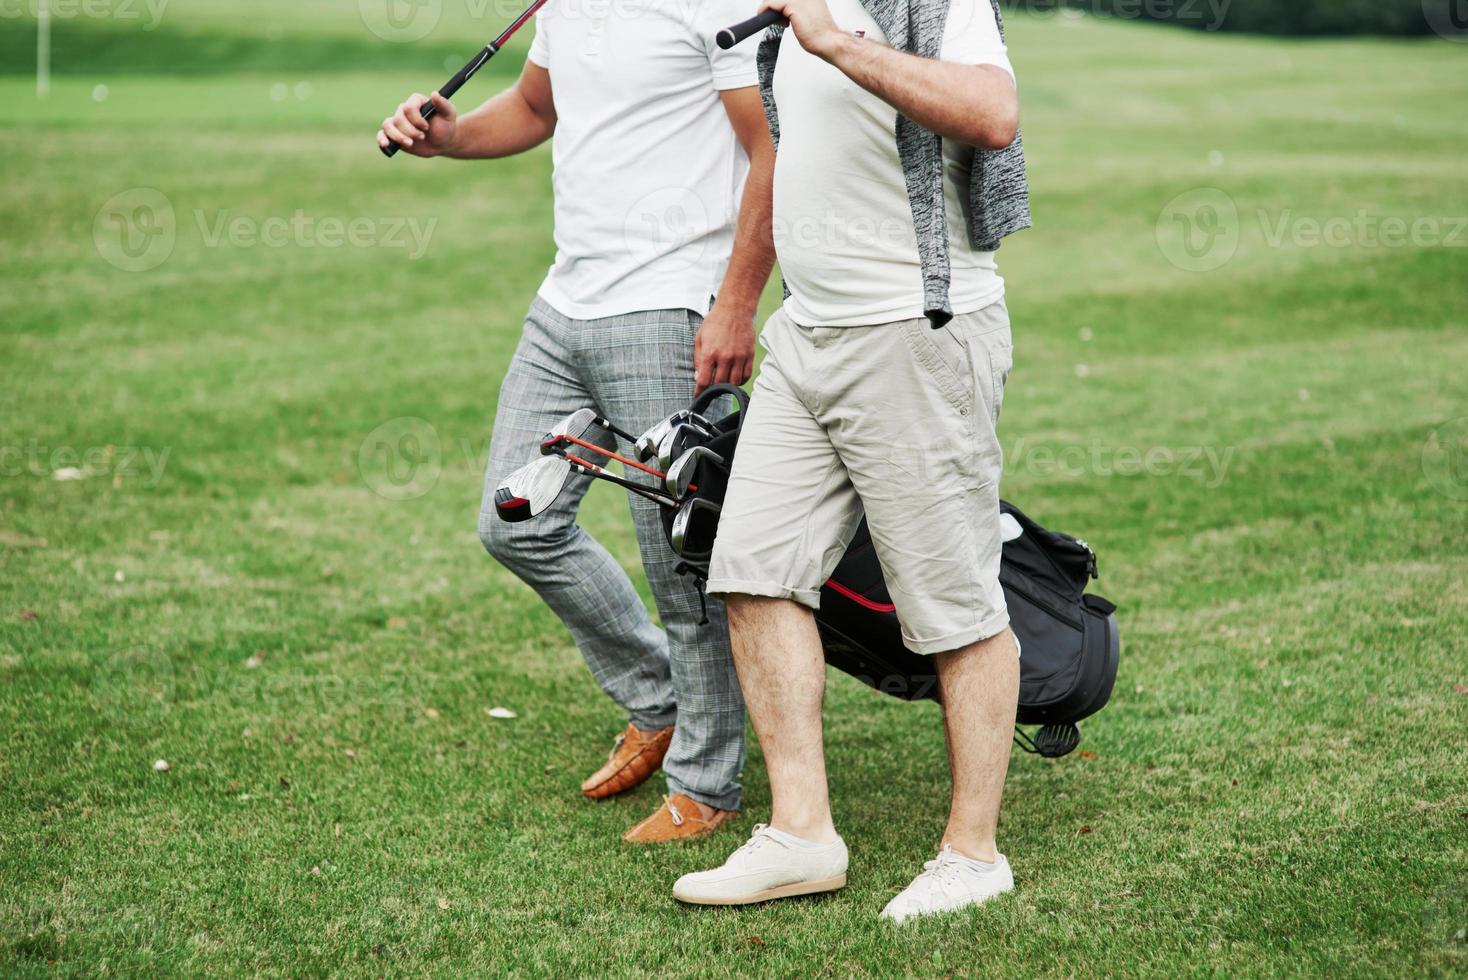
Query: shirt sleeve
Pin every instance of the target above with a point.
(540, 47)
(971, 36)
(733, 68)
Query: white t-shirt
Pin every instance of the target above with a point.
(648, 171)
(843, 222)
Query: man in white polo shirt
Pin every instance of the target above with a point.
(654, 128)
(897, 173)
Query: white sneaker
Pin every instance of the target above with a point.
(949, 882)
(767, 867)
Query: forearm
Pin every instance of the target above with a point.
(973, 104)
(501, 127)
(754, 243)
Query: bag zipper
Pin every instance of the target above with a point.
(1091, 559)
(1059, 614)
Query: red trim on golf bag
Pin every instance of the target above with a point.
(861, 600)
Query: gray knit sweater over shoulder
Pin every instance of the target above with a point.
(998, 191)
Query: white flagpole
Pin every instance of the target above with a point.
(43, 49)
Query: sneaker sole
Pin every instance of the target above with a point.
(770, 894)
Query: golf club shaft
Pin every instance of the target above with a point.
(610, 454)
(614, 430)
(452, 86)
(731, 36)
(596, 472)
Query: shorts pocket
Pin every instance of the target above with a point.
(946, 359)
(987, 338)
(1001, 362)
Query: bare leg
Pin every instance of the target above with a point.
(777, 652)
(980, 693)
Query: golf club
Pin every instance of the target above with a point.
(582, 419)
(558, 443)
(695, 517)
(680, 439)
(530, 490)
(646, 446)
(573, 426)
(731, 36)
(596, 472)
(614, 430)
(680, 475)
(428, 109)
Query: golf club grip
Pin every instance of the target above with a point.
(731, 36)
(428, 110)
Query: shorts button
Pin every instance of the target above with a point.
(963, 411)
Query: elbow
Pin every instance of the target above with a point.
(993, 108)
(999, 131)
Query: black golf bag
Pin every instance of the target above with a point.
(1069, 641)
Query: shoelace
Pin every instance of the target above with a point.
(616, 745)
(673, 809)
(756, 838)
(944, 868)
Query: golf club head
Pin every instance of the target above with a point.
(573, 425)
(530, 490)
(646, 446)
(694, 528)
(680, 438)
(681, 474)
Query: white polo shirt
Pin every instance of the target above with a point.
(843, 223)
(648, 171)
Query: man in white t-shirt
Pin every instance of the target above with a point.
(654, 130)
(878, 395)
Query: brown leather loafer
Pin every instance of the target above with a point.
(635, 756)
(679, 818)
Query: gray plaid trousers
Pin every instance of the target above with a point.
(634, 369)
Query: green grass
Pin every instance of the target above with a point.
(1278, 787)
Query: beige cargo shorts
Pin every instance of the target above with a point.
(894, 420)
